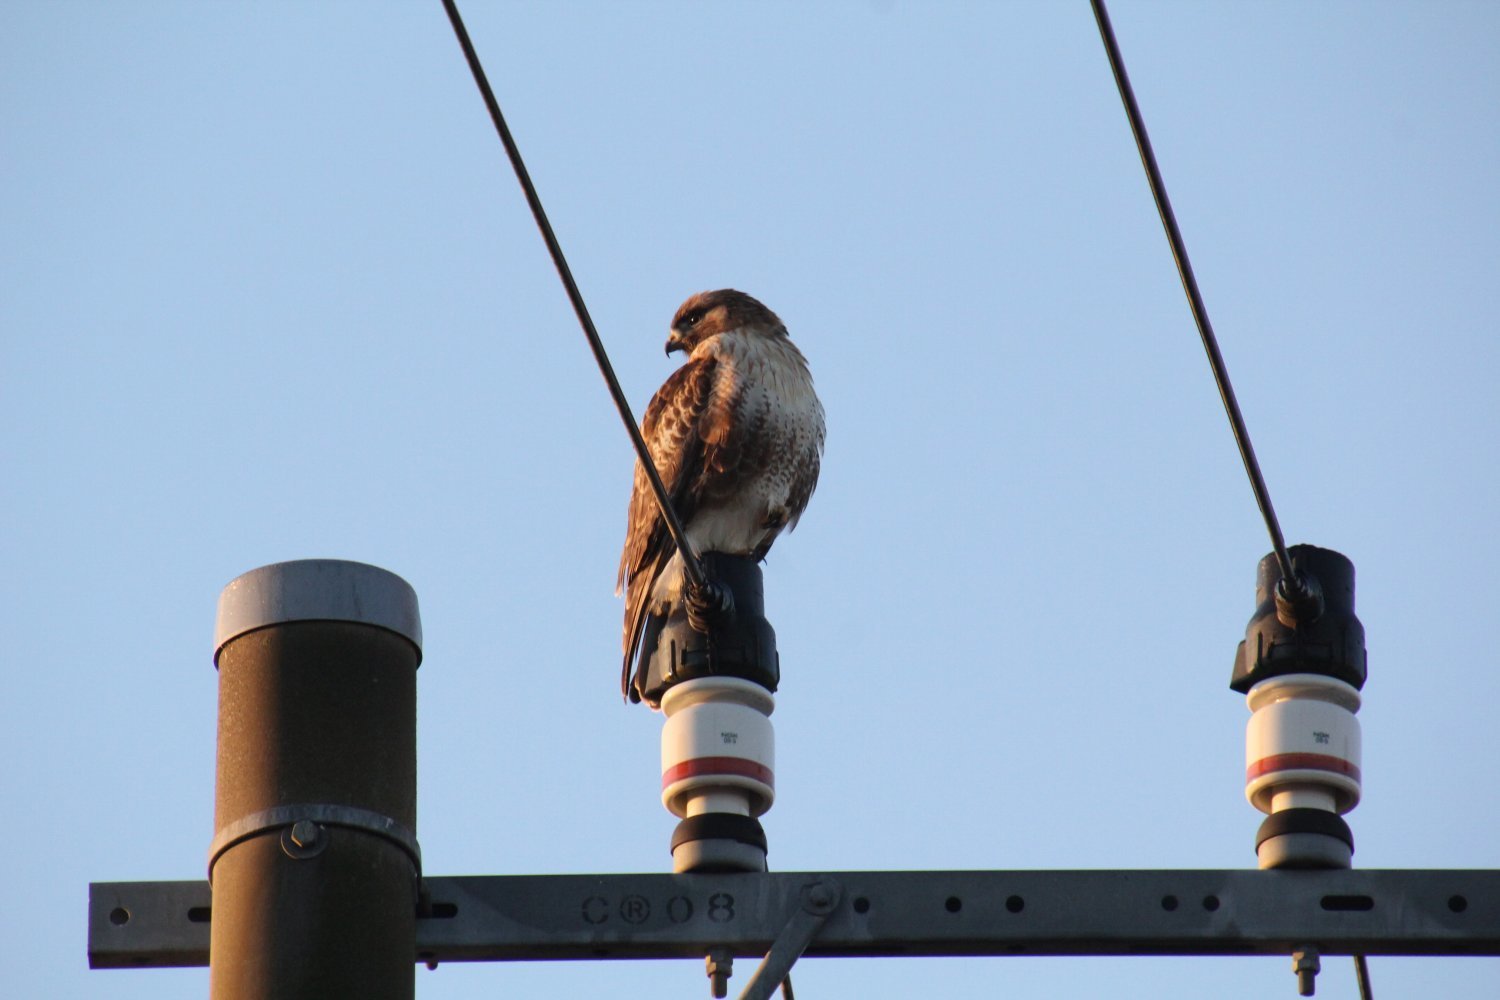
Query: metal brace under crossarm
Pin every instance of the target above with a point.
(818, 900)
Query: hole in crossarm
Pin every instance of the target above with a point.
(1169, 903)
(953, 904)
(1457, 904)
(861, 904)
(119, 916)
(441, 911)
(1348, 904)
(1210, 903)
(199, 914)
(1015, 904)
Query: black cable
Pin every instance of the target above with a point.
(1289, 577)
(1362, 977)
(690, 558)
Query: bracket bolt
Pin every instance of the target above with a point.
(819, 898)
(1306, 965)
(306, 833)
(720, 966)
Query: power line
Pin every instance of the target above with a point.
(1292, 587)
(690, 560)
(1362, 977)
(1292, 584)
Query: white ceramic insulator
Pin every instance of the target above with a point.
(1302, 797)
(1302, 745)
(718, 749)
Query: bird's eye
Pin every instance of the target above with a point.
(692, 318)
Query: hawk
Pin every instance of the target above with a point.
(737, 436)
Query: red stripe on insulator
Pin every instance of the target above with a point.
(700, 767)
(1300, 762)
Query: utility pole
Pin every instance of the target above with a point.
(316, 887)
(314, 863)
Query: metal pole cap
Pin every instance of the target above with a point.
(317, 590)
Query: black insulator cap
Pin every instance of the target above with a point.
(720, 826)
(1319, 821)
(1310, 629)
(739, 643)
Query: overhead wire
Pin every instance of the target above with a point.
(1294, 584)
(690, 557)
(1362, 977)
(692, 563)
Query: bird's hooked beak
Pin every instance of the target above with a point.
(675, 343)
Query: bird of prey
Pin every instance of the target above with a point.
(737, 436)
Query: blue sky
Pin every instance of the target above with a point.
(269, 291)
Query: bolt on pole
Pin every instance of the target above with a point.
(314, 863)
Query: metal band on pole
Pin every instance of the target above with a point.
(287, 817)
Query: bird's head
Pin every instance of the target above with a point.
(708, 314)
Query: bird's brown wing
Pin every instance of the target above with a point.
(688, 432)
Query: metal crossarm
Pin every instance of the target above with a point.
(931, 913)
